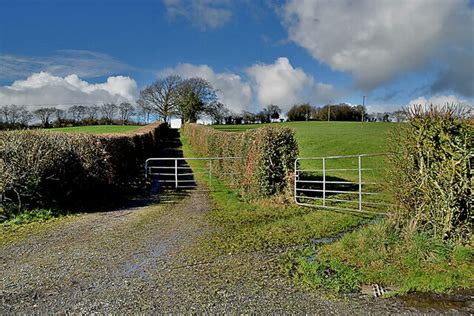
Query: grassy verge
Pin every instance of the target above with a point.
(269, 224)
(97, 129)
(29, 216)
(22, 227)
(378, 254)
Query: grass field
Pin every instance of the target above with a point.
(318, 139)
(323, 139)
(97, 129)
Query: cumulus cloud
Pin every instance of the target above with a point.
(86, 64)
(377, 41)
(203, 14)
(46, 89)
(282, 84)
(232, 90)
(439, 100)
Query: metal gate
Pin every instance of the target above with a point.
(342, 183)
(189, 173)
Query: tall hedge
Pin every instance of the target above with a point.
(43, 169)
(432, 178)
(268, 154)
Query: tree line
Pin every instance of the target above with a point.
(173, 96)
(331, 112)
(15, 116)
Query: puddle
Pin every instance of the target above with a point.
(461, 300)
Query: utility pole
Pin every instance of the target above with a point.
(329, 111)
(363, 108)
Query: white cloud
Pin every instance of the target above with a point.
(379, 40)
(439, 100)
(203, 14)
(84, 63)
(231, 89)
(282, 84)
(46, 89)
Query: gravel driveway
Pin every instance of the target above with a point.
(149, 259)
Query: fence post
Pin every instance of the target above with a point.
(360, 183)
(324, 181)
(176, 173)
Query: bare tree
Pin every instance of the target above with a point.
(145, 110)
(217, 111)
(77, 112)
(15, 115)
(92, 112)
(126, 110)
(108, 110)
(44, 114)
(60, 115)
(162, 97)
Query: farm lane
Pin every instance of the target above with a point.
(151, 259)
(146, 259)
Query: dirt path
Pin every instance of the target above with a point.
(148, 259)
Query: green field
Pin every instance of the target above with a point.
(319, 139)
(323, 139)
(97, 129)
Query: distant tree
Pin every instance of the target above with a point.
(92, 112)
(195, 94)
(237, 119)
(217, 111)
(301, 112)
(263, 116)
(273, 111)
(23, 116)
(144, 110)
(14, 115)
(108, 111)
(249, 117)
(162, 96)
(126, 110)
(60, 116)
(44, 115)
(77, 112)
(400, 116)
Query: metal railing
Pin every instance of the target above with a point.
(343, 186)
(177, 173)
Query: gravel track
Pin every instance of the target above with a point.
(149, 259)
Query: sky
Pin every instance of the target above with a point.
(255, 53)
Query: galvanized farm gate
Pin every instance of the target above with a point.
(341, 182)
(188, 173)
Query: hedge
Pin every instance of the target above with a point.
(268, 154)
(43, 169)
(431, 179)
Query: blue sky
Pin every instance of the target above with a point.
(254, 52)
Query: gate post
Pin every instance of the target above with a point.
(176, 173)
(295, 179)
(324, 181)
(360, 183)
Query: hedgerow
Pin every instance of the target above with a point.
(267, 155)
(40, 169)
(431, 179)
